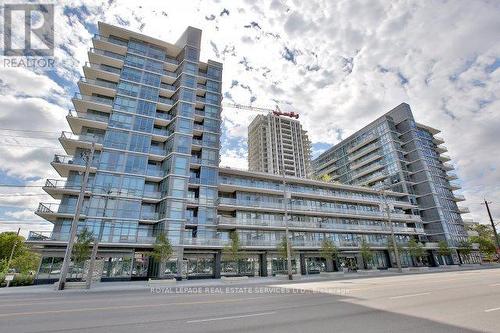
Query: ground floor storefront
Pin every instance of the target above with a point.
(137, 264)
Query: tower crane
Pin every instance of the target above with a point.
(277, 111)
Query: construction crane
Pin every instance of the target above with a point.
(277, 111)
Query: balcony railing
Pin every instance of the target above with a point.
(111, 40)
(397, 214)
(196, 160)
(107, 54)
(163, 115)
(167, 86)
(95, 99)
(154, 172)
(313, 225)
(194, 180)
(170, 74)
(47, 236)
(153, 216)
(105, 68)
(164, 100)
(157, 150)
(100, 83)
(89, 116)
(82, 137)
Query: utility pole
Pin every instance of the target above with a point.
(393, 237)
(497, 241)
(287, 234)
(12, 251)
(95, 246)
(74, 225)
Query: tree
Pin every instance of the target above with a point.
(82, 247)
(390, 248)
(485, 239)
(366, 253)
(416, 250)
(26, 263)
(326, 178)
(7, 240)
(465, 247)
(233, 250)
(443, 248)
(162, 251)
(281, 248)
(329, 252)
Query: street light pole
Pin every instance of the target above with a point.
(95, 246)
(393, 237)
(287, 234)
(497, 241)
(74, 225)
(12, 251)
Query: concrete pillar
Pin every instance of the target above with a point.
(303, 267)
(263, 264)
(217, 264)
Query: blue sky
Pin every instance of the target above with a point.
(340, 64)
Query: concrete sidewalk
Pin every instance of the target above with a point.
(144, 285)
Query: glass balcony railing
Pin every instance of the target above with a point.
(149, 216)
(154, 172)
(116, 237)
(105, 68)
(197, 142)
(194, 180)
(89, 116)
(82, 137)
(161, 131)
(157, 150)
(164, 100)
(164, 116)
(107, 54)
(170, 74)
(95, 99)
(396, 214)
(195, 159)
(111, 40)
(167, 86)
(99, 83)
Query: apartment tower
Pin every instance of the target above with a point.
(277, 144)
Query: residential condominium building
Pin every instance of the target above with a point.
(278, 143)
(152, 110)
(397, 153)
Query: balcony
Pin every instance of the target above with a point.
(156, 150)
(377, 176)
(463, 210)
(367, 170)
(363, 142)
(77, 120)
(438, 140)
(167, 90)
(71, 142)
(149, 216)
(323, 210)
(63, 164)
(160, 134)
(93, 71)
(90, 86)
(444, 158)
(441, 149)
(194, 180)
(168, 77)
(165, 104)
(41, 237)
(110, 44)
(154, 172)
(195, 160)
(455, 186)
(56, 188)
(458, 197)
(104, 57)
(364, 161)
(52, 211)
(83, 103)
(448, 167)
(363, 152)
(451, 176)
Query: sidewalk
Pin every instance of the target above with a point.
(144, 286)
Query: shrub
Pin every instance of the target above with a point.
(19, 280)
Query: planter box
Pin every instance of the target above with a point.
(233, 279)
(161, 282)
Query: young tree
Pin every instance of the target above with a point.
(416, 250)
(281, 248)
(233, 250)
(7, 241)
(329, 252)
(390, 248)
(82, 247)
(443, 248)
(162, 251)
(26, 263)
(366, 253)
(485, 239)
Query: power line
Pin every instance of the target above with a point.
(32, 131)
(28, 146)
(14, 185)
(27, 137)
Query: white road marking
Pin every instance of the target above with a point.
(491, 310)
(230, 317)
(495, 285)
(410, 295)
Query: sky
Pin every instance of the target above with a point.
(339, 64)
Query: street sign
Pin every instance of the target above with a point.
(9, 277)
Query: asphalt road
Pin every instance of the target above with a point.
(466, 301)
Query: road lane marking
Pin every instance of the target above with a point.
(491, 310)
(495, 285)
(227, 300)
(409, 295)
(230, 317)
